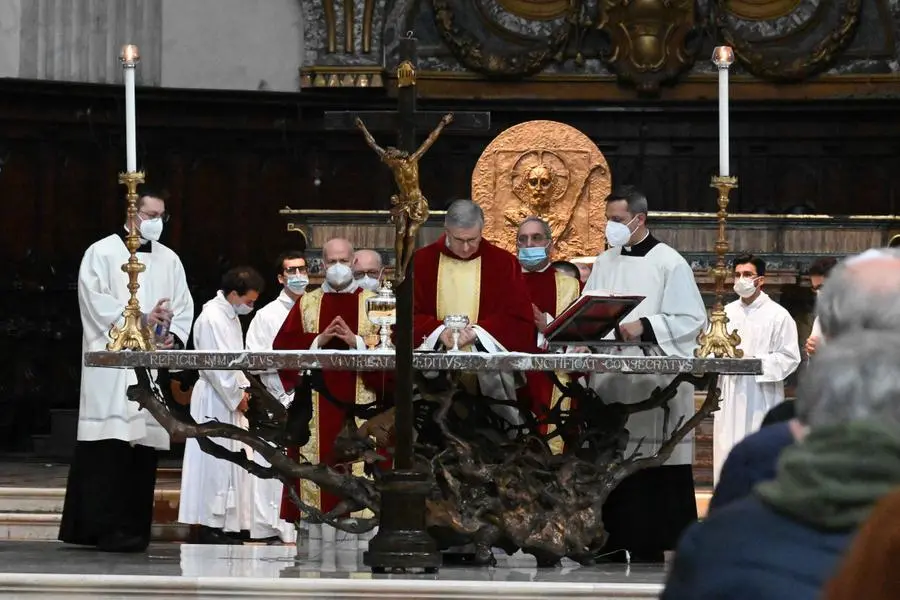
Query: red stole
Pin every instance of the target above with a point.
(502, 304)
(312, 314)
(551, 292)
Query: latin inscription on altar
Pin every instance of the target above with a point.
(423, 361)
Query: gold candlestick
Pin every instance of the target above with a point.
(716, 341)
(133, 335)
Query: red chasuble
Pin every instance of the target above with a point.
(313, 313)
(488, 287)
(551, 292)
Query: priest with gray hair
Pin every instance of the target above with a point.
(463, 274)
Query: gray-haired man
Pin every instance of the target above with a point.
(463, 274)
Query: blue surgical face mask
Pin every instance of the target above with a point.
(297, 283)
(530, 257)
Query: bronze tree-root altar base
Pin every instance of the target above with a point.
(494, 480)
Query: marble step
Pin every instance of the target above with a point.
(44, 527)
(35, 513)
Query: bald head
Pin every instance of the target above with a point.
(337, 250)
(367, 263)
(366, 260)
(862, 293)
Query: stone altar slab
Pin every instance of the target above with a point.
(423, 361)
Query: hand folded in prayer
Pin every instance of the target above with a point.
(245, 402)
(811, 343)
(540, 319)
(631, 332)
(338, 329)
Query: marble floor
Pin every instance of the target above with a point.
(52, 570)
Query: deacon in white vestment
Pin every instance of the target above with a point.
(109, 494)
(648, 511)
(768, 332)
(293, 277)
(215, 493)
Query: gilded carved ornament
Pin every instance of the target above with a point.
(804, 41)
(487, 47)
(762, 9)
(545, 169)
(537, 10)
(645, 42)
(649, 41)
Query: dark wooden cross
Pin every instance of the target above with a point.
(402, 538)
(406, 121)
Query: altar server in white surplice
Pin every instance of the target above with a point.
(768, 332)
(293, 277)
(647, 512)
(215, 493)
(109, 494)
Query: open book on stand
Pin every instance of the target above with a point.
(590, 319)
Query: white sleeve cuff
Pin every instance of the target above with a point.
(431, 341)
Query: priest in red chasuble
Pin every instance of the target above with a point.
(332, 317)
(551, 292)
(463, 274)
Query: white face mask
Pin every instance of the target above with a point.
(368, 283)
(618, 234)
(151, 229)
(338, 276)
(243, 309)
(745, 286)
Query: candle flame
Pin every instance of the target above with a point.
(723, 56)
(129, 55)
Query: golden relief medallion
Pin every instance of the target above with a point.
(549, 170)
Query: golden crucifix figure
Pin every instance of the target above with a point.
(409, 207)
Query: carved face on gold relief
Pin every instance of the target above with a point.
(549, 170)
(539, 179)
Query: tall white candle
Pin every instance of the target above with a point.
(130, 126)
(723, 122)
(130, 58)
(723, 56)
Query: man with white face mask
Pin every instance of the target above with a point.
(647, 512)
(109, 495)
(216, 495)
(768, 332)
(367, 269)
(332, 317)
(293, 277)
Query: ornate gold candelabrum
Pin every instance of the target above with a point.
(133, 334)
(716, 341)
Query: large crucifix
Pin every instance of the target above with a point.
(402, 541)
